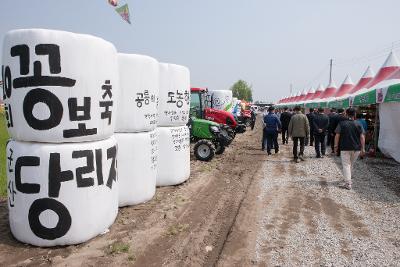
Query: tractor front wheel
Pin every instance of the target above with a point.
(248, 122)
(204, 150)
(219, 148)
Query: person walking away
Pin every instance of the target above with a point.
(351, 142)
(264, 138)
(310, 117)
(299, 129)
(320, 128)
(285, 119)
(341, 117)
(253, 118)
(333, 121)
(361, 120)
(272, 127)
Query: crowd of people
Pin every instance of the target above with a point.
(339, 130)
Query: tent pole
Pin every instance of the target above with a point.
(376, 129)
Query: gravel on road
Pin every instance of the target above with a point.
(304, 218)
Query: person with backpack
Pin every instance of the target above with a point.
(285, 119)
(320, 127)
(299, 129)
(350, 140)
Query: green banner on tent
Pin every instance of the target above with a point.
(311, 105)
(343, 103)
(366, 98)
(393, 93)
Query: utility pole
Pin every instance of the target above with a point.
(291, 88)
(330, 72)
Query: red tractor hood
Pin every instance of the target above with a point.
(220, 116)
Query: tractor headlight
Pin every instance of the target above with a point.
(214, 129)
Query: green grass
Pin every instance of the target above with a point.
(117, 248)
(3, 140)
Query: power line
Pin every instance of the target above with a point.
(357, 60)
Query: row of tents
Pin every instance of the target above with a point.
(381, 91)
(370, 89)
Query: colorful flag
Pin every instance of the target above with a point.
(113, 2)
(123, 11)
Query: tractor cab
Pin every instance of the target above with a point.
(198, 102)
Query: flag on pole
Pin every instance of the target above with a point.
(113, 2)
(123, 11)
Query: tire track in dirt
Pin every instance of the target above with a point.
(212, 213)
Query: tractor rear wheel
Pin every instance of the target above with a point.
(204, 150)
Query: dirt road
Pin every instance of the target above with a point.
(183, 225)
(245, 209)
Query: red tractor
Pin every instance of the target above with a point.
(245, 113)
(198, 105)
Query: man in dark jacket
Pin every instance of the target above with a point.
(333, 122)
(253, 118)
(341, 117)
(285, 119)
(272, 127)
(310, 117)
(320, 128)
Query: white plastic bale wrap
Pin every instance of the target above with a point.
(174, 95)
(59, 86)
(221, 99)
(389, 132)
(137, 166)
(137, 101)
(61, 194)
(173, 155)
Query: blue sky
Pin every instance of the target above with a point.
(270, 44)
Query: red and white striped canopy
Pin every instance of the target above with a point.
(389, 67)
(318, 92)
(364, 80)
(346, 87)
(330, 90)
(310, 94)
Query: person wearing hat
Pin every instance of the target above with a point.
(272, 127)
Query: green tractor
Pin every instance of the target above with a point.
(208, 138)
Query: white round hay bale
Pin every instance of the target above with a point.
(221, 99)
(174, 95)
(61, 194)
(59, 86)
(173, 155)
(137, 101)
(137, 167)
